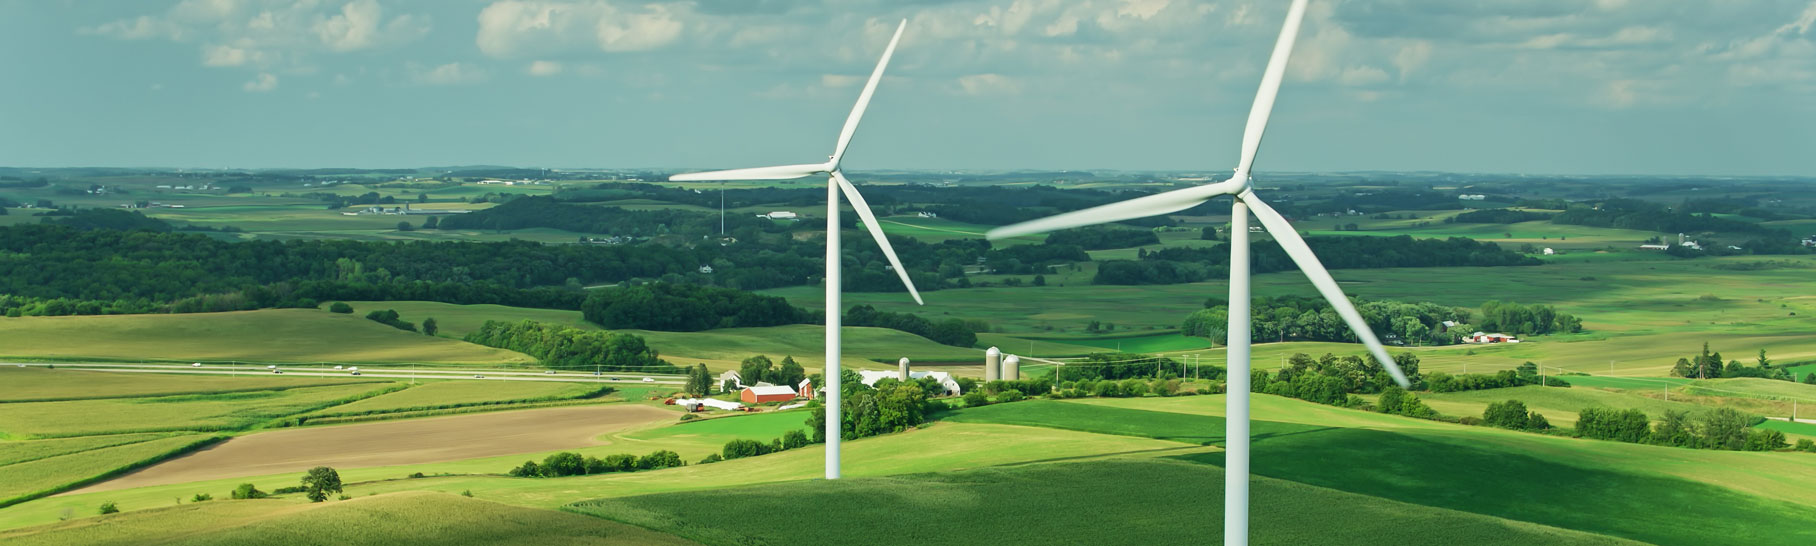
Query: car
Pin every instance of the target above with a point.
(337, 367)
(479, 377)
(355, 368)
(648, 380)
(355, 372)
(273, 367)
(549, 372)
(277, 371)
(196, 365)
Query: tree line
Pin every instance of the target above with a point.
(688, 308)
(1193, 264)
(1103, 237)
(569, 348)
(1498, 216)
(952, 331)
(568, 463)
(1423, 323)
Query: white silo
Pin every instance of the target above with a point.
(993, 358)
(1011, 368)
(904, 370)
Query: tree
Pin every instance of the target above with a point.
(660, 459)
(1040, 280)
(1208, 233)
(566, 463)
(977, 398)
(110, 507)
(405, 226)
(794, 439)
(247, 491)
(422, 198)
(340, 307)
(698, 380)
(755, 369)
(1511, 414)
(529, 469)
(319, 482)
(432, 222)
(429, 327)
(1725, 428)
(790, 373)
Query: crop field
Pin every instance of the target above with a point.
(442, 394)
(401, 518)
(42, 384)
(696, 439)
(30, 450)
(1561, 405)
(388, 443)
(272, 335)
(51, 473)
(456, 321)
(168, 413)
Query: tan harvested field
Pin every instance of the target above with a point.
(387, 443)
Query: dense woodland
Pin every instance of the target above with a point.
(569, 348)
(1294, 318)
(1101, 238)
(954, 332)
(688, 308)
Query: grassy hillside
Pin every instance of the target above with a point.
(35, 383)
(456, 320)
(435, 394)
(1517, 476)
(271, 335)
(166, 413)
(403, 518)
(1127, 502)
(1561, 405)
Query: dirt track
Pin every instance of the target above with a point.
(387, 443)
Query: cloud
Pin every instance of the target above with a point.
(448, 74)
(1412, 56)
(988, 84)
(269, 35)
(143, 27)
(514, 29)
(544, 68)
(263, 83)
(357, 27)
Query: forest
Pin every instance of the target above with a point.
(569, 348)
(1102, 238)
(688, 308)
(1294, 318)
(1192, 264)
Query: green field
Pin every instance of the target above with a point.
(168, 413)
(1561, 405)
(723, 348)
(30, 450)
(403, 518)
(456, 320)
(55, 473)
(697, 439)
(44, 384)
(1105, 502)
(442, 394)
(272, 335)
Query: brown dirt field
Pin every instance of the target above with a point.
(386, 443)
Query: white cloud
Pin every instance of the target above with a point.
(512, 28)
(264, 82)
(357, 27)
(840, 80)
(269, 35)
(1412, 56)
(448, 74)
(988, 84)
(544, 68)
(143, 27)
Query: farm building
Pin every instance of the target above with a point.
(781, 215)
(1480, 337)
(870, 377)
(766, 394)
(1654, 247)
(805, 389)
(694, 404)
(731, 378)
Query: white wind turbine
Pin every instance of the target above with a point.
(1235, 498)
(835, 184)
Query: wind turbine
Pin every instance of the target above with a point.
(1240, 186)
(835, 184)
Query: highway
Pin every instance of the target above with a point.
(390, 372)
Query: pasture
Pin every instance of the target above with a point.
(43, 384)
(201, 412)
(50, 474)
(448, 394)
(722, 349)
(455, 321)
(271, 335)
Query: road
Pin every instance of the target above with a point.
(474, 374)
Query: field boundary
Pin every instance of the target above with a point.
(324, 421)
(118, 471)
(192, 393)
(597, 392)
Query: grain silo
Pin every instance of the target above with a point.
(904, 364)
(1011, 368)
(993, 364)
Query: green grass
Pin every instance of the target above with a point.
(696, 439)
(1139, 343)
(61, 472)
(456, 321)
(272, 335)
(1771, 389)
(1626, 383)
(1805, 430)
(44, 384)
(403, 518)
(225, 411)
(446, 394)
(31, 450)
(1178, 427)
(1561, 405)
(1102, 502)
(724, 348)
(1493, 473)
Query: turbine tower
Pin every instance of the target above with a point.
(1240, 186)
(835, 184)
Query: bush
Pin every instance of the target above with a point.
(1611, 424)
(340, 307)
(110, 508)
(660, 459)
(713, 458)
(248, 491)
(566, 463)
(1512, 414)
(1010, 395)
(468, 493)
(414, 475)
(794, 439)
(976, 399)
(1806, 445)
(738, 449)
(529, 469)
(201, 497)
(287, 490)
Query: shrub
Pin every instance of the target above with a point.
(1511, 414)
(566, 463)
(200, 497)
(340, 307)
(622, 462)
(110, 508)
(466, 492)
(794, 439)
(414, 475)
(738, 449)
(529, 469)
(1805, 445)
(660, 459)
(975, 399)
(713, 458)
(248, 491)
(1011, 395)
(287, 490)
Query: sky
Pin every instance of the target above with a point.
(1666, 87)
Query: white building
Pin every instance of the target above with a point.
(693, 403)
(732, 377)
(1549, 252)
(870, 377)
(781, 215)
(1472, 197)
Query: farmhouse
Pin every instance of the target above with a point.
(766, 394)
(730, 380)
(1480, 337)
(870, 377)
(805, 389)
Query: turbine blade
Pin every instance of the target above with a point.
(1270, 87)
(1140, 207)
(876, 231)
(783, 172)
(857, 112)
(1302, 255)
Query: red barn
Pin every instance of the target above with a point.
(765, 394)
(806, 389)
